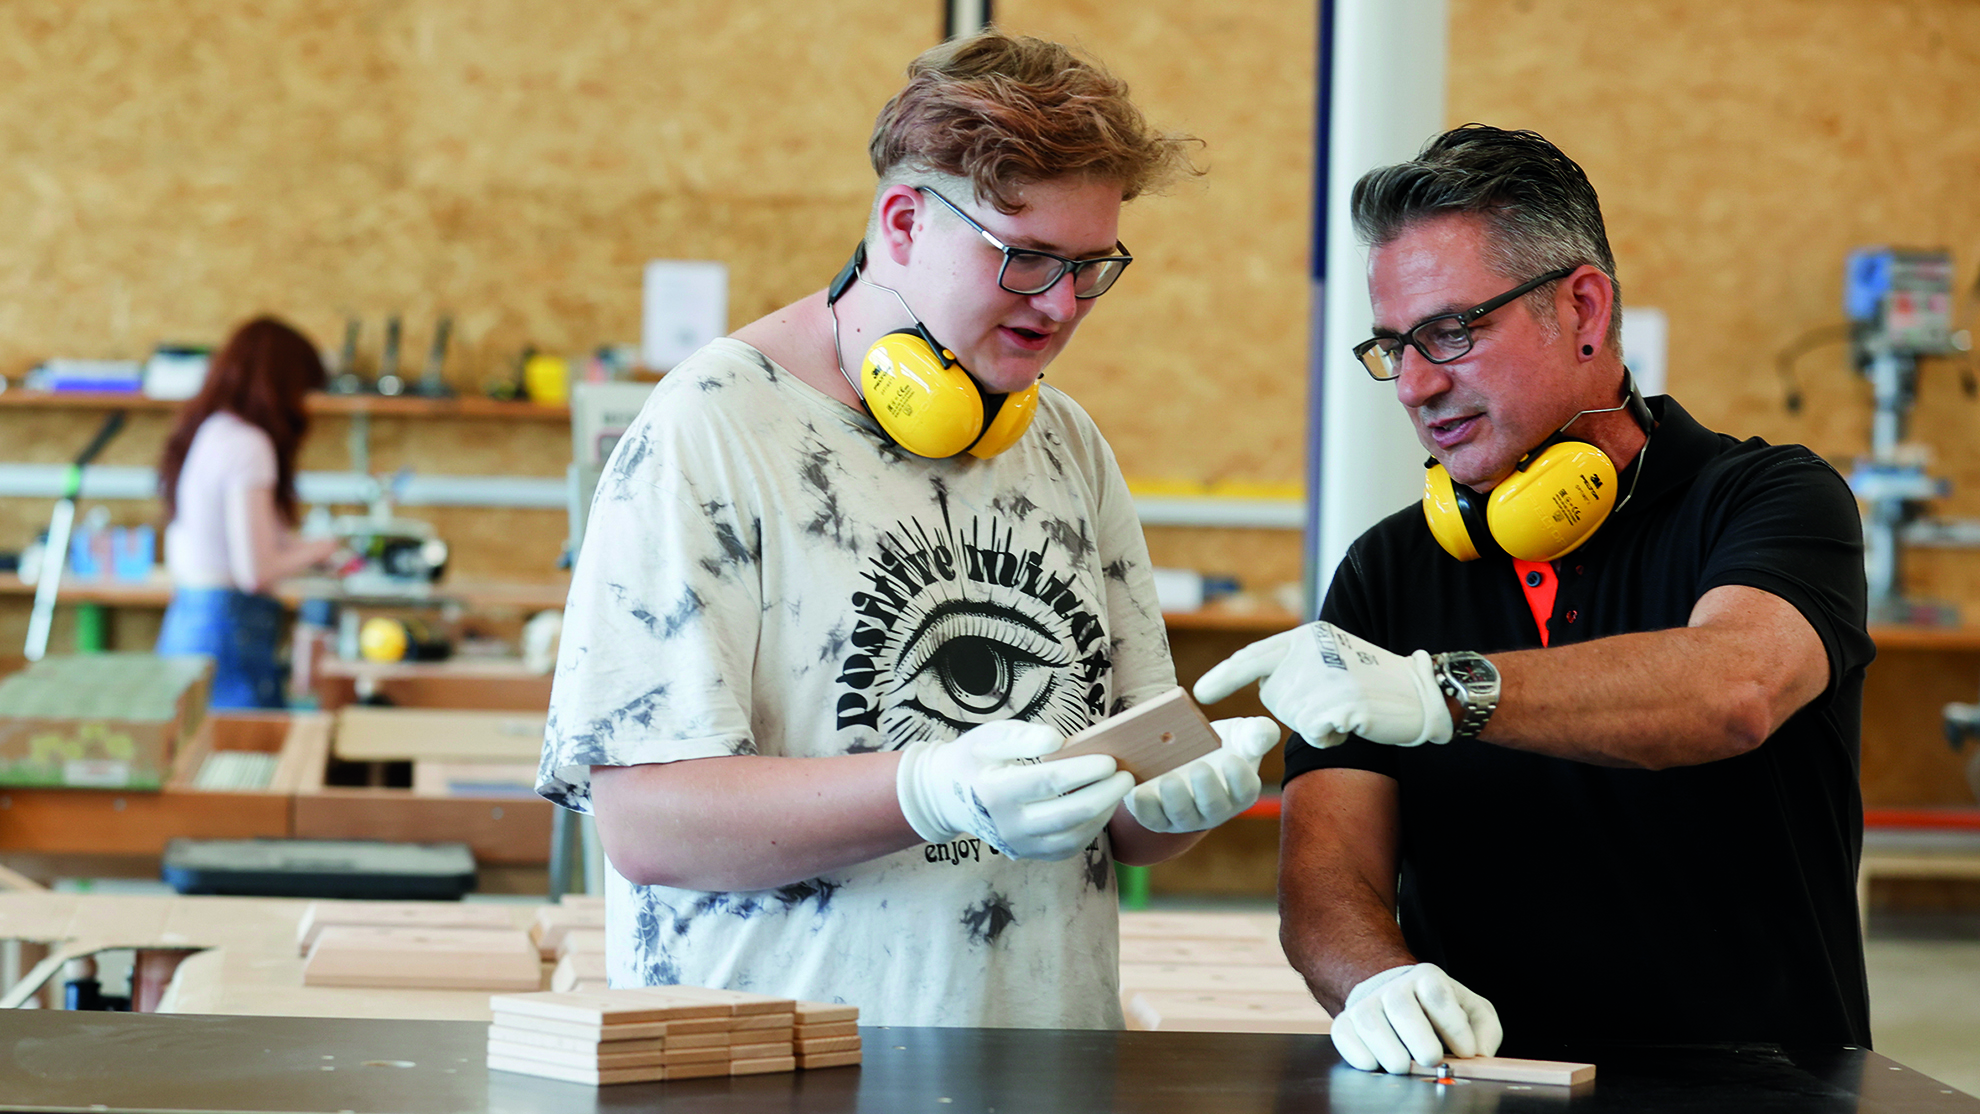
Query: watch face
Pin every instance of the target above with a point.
(1471, 670)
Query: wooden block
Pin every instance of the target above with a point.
(700, 1040)
(699, 1070)
(319, 915)
(640, 1030)
(827, 1044)
(554, 921)
(763, 1036)
(763, 1066)
(582, 941)
(374, 734)
(828, 1029)
(1196, 1012)
(1509, 1070)
(579, 971)
(593, 1076)
(740, 1003)
(819, 1013)
(582, 901)
(603, 1009)
(559, 1042)
(605, 1056)
(1149, 739)
(756, 1050)
(765, 1021)
(441, 958)
(809, 1060)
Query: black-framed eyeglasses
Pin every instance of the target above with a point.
(1442, 338)
(1034, 272)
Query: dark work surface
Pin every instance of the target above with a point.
(93, 1061)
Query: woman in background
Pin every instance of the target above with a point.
(228, 479)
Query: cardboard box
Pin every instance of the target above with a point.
(100, 721)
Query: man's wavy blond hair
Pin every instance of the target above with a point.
(1002, 112)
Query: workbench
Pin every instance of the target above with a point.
(113, 1062)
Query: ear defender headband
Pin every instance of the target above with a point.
(1557, 497)
(925, 401)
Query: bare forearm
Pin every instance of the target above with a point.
(1135, 845)
(1711, 690)
(748, 822)
(1337, 916)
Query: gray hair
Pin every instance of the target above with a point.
(1540, 211)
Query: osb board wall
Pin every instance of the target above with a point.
(178, 171)
(513, 163)
(1195, 365)
(1741, 151)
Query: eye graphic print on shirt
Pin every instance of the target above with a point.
(961, 627)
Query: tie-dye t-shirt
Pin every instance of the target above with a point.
(763, 574)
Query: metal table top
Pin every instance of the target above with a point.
(60, 1060)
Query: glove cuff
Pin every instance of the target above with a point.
(918, 801)
(1437, 726)
(1375, 982)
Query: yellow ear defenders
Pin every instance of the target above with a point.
(1557, 497)
(924, 400)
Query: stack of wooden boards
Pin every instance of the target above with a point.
(665, 1032)
(572, 935)
(437, 945)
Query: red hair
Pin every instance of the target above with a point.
(259, 376)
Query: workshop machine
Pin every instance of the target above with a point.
(1900, 309)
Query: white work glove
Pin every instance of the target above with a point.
(990, 783)
(1327, 684)
(1204, 792)
(1414, 1012)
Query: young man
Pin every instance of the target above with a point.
(808, 674)
(1639, 819)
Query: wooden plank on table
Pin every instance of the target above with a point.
(603, 1009)
(809, 1060)
(304, 755)
(441, 959)
(580, 971)
(825, 1013)
(593, 1076)
(319, 915)
(1149, 739)
(370, 734)
(554, 922)
(741, 1003)
(582, 941)
(1509, 1070)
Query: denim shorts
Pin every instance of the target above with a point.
(240, 631)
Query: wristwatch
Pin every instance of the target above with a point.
(1473, 681)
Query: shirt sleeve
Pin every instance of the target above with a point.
(661, 625)
(1138, 641)
(1792, 529)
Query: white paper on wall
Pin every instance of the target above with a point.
(686, 305)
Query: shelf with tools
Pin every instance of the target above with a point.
(407, 406)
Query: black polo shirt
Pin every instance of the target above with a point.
(1701, 904)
